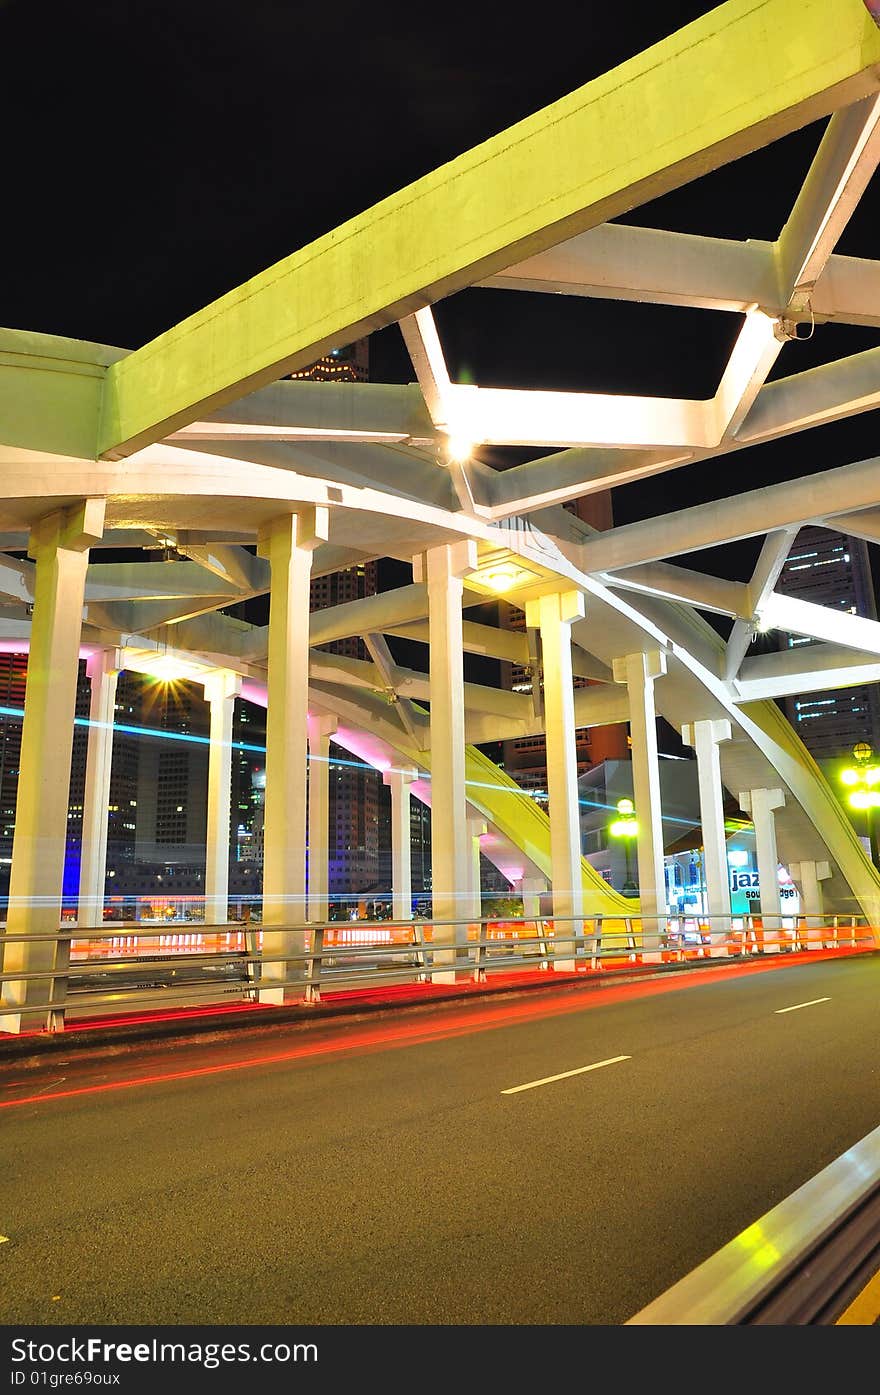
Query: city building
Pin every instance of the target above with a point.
(616, 858)
(124, 774)
(833, 570)
(172, 774)
(156, 809)
(13, 675)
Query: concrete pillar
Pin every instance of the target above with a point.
(705, 736)
(760, 804)
(288, 543)
(444, 568)
(476, 828)
(638, 672)
(59, 544)
(321, 728)
(809, 876)
(103, 671)
(399, 781)
(531, 890)
(553, 616)
(221, 690)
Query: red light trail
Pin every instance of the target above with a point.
(456, 1022)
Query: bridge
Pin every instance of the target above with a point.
(254, 484)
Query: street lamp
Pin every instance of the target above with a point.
(625, 827)
(863, 785)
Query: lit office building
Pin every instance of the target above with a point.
(123, 792)
(350, 364)
(831, 570)
(13, 675)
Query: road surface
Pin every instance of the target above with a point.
(453, 1164)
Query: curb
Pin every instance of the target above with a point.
(225, 1021)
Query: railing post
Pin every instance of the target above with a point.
(418, 939)
(313, 969)
(428, 959)
(580, 943)
(543, 940)
(596, 957)
(252, 966)
(58, 986)
(480, 953)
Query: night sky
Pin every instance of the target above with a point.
(159, 152)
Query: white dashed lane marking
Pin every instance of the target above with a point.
(565, 1075)
(811, 1003)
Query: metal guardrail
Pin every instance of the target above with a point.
(472, 950)
(800, 1264)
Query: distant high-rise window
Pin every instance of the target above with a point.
(833, 570)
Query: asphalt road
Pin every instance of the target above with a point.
(374, 1171)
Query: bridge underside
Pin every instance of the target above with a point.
(197, 447)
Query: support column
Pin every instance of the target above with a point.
(476, 828)
(288, 543)
(444, 569)
(638, 672)
(221, 690)
(103, 670)
(761, 804)
(705, 736)
(399, 781)
(321, 728)
(59, 544)
(809, 876)
(553, 617)
(531, 890)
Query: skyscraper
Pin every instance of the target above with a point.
(13, 675)
(832, 570)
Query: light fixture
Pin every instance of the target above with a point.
(627, 825)
(459, 448)
(501, 571)
(864, 799)
(861, 779)
(503, 577)
(168, 547)
(167, 668)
